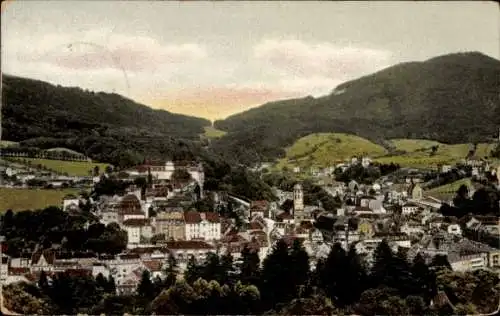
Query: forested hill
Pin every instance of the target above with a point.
(33, 108)
(452, 98)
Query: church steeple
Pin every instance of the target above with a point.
(298, 199)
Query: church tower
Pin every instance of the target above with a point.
(298, 200)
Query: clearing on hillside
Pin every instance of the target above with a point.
(419, 153)
(212, 132)
(73, 168)
(327, 149)
(448, 191)
(31, 199)
(67, 150)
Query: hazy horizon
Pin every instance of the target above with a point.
(215, 59)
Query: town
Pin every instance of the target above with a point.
(166, 214)
(241, 158)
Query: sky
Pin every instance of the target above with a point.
(214, 59)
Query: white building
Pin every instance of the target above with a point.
(165, 171)
(204, 226)
(410, 208)
(469, 262)
(454, 229)
(137, 228)
(70, 202)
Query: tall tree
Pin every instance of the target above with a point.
(227, 269)
(211, 269)
(146, 288)
(356, 275)
(276, 276)
(111, 285)
(250, 267)
(381, 272)
(101, 282)
(299, 266)
(332, 277)
(423, 281)
(192, 270)
(43, 282)
(96, 171)
(171, 271)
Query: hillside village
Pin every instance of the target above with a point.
(160, 222)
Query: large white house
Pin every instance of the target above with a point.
(204, 226)
(160, 171)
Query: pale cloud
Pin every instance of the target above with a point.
(99, 49)
(316, 68)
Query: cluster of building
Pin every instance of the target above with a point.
(14, 175)
(159, 223)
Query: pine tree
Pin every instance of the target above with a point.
(332, 274)
(111, 285)
(192, 270)
(43, 283)
(401, 276)
(171, 271)
(250, 267)
(150, 179)
(421, 277)
(146, 288)
(227, 269)
(381, 272)
(211, 269)
(101, 281)
(356, 275)
(276, 276)
(299, 265)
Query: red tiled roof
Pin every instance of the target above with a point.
(136, 222)
(18, 271)
(78, 272)
(192, 217)
(153, 265)
(129, 256)
(144, 250)
(188, 244)
(130, 198)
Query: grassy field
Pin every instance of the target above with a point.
(451, 187)
(73, 168)
(327, 149)
(31, 199)
(211, 132)
(448, 191)
(322, 150)
(418, 153)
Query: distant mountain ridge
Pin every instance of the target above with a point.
(34, 108)
(452, 99)
(104, 126)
